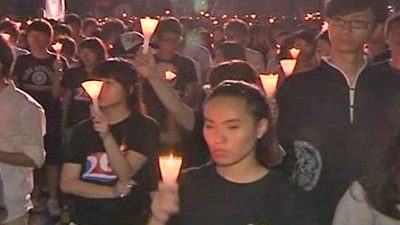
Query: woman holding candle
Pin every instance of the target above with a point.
(192, 121)
(238, 187)
(75, 101)
(109, 151)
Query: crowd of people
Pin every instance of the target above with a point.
(323, 149)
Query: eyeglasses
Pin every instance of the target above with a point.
(356, 24)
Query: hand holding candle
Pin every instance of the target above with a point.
(57, 47)
(269, 82)
(170, 167)
(148, 28)
(288, 66)
(93, 88)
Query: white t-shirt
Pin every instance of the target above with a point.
(23, 126)
(353, 209)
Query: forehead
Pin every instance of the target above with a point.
(224, 107)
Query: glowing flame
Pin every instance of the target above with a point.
(170, 167)
(169, 75)
(5, 36)
(57, 47)
(288, 66)
(269, 83)
(294, 52)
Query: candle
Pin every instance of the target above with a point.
(269, 83)
(170, 167)
(57, 47)
(288, 66)
(148, 27)
(18, 24)
(29, 22)
(93, 89)
(169, 75)
(5, 36)
(294, 52)
(325, 26)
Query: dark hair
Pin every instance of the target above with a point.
(382, 185)
(68, 45)
(63, 29)
(6, 58)
(395, 18)
(96, 45)
(9, 27)
(232, 70)
(267, 151)
(237, 26)
(343, 7)
(90, 22)
(113, 26)
(42, 26)
(73, 20)
(231, 50)
(169, 25)
(124, 73)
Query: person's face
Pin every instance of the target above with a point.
(38, 40)
(169, 42)
(89, 30)
(231, 131)
(88, 57)
(351, 32)
(323, 49)
(393, 38)
(112, 94)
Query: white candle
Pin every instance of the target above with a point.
(169, 75)
(93, 89)
(269, 82)
(288, 66)
(57, 47)
(170, 167)
(148, 27)
(5, 36)
(294, 52)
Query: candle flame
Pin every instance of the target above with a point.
(29, 22)
(5, 36)
(269, 83)
(148, 26)
(93, 88)
(170, 167)
(57, 47)
(288, 66)
(169, 75)
(295, 52)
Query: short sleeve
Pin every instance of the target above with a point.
(31, 129)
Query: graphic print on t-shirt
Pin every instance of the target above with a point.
(97, 167)
(38, 75)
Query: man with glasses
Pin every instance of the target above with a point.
(329, 113)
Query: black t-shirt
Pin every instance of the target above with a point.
(80, 100)
(185, 74)
(136, 133)
(36, 77)
(208, 198)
